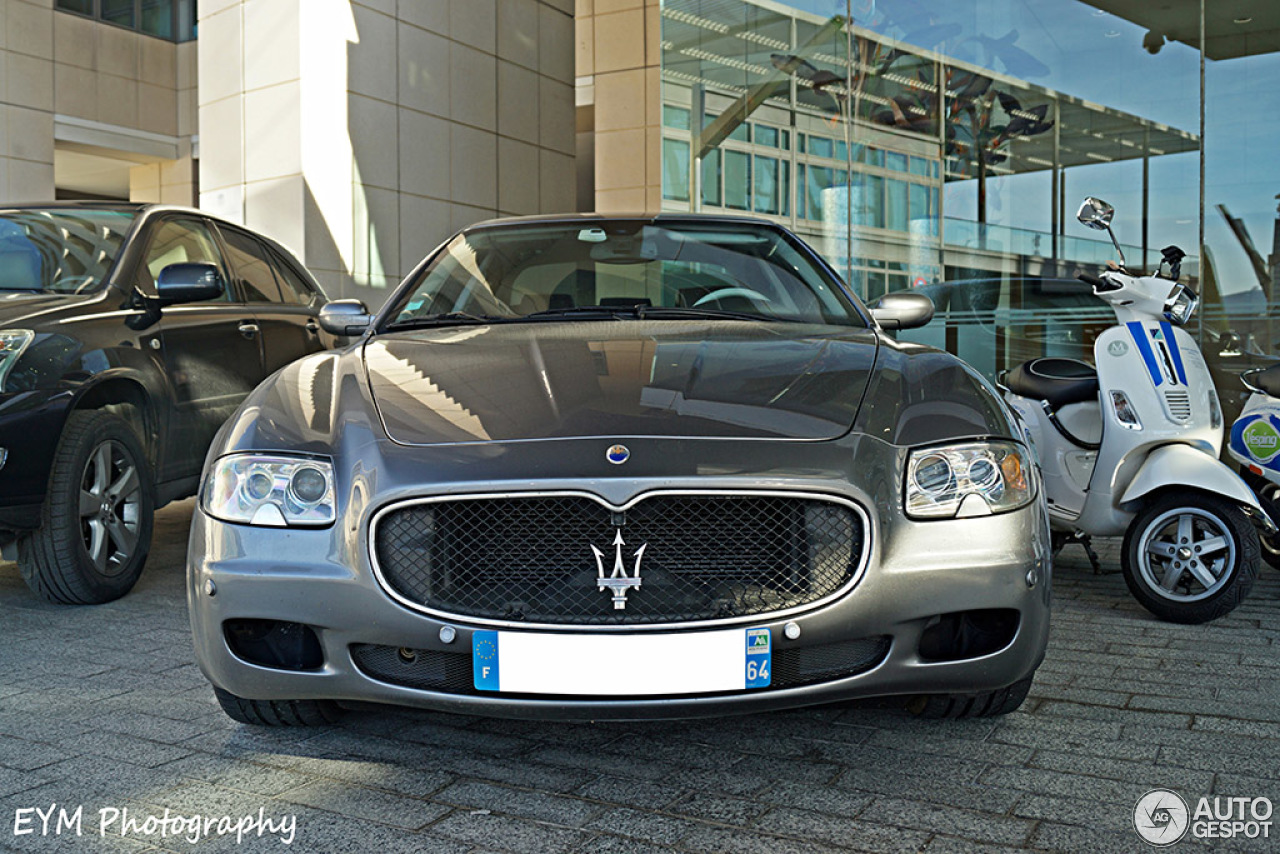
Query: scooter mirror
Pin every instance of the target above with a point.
(1095, 213)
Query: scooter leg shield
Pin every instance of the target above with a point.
(1182, 466)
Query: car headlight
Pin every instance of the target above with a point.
(12, 343)
(256, 489)
(940, 479)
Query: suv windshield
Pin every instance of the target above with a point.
(537, 271)
(60, 250)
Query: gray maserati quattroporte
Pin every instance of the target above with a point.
(593, 467)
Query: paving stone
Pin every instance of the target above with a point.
(720, 810)
(979, 826)
(645, 794)
(360, 802)
(638, 824)
(1143, 773)
(496, 831)
(557, 809)
(850, 833)
(724, 840)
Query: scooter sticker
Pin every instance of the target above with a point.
(1174, 353)
(1144, 347)
(1257, 438)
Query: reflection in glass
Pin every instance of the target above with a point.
(941, 141)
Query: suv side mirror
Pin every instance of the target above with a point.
(189, 282)
(903, 310)
(345, 317)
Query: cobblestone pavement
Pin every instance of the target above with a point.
(102, 708)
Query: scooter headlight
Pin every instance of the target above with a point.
(940, 479)
(1180, 305)
(255, 489)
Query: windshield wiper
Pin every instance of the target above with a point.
(451, 318)
(639, 311)
(607, 312)
(681, 313)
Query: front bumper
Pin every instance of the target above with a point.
(30, 425)
(916, 572)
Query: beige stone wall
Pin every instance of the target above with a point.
(618, 58)
(117, 88)
(363, 132)
(26, 100)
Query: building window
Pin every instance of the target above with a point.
(172, 20)
(675, 170)
(766, 195)
(737, 180)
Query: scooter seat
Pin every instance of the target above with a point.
(1055, 380)
(1268, 380)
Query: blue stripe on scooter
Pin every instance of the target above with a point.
(1144, 347)
(1173, 351)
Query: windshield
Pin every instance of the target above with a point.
(537, 271)
(60, 250)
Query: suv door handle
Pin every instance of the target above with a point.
(248, 329)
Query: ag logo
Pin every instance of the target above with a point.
(1161, 817)
(1261, 440)
(1117, 348)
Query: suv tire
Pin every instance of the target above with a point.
(95, 529)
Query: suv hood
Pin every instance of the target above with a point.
(17, 307)
(698, 379)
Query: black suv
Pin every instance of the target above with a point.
(128, 334)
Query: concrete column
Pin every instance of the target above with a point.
(26, 100)
(362, 133)
(620, 81)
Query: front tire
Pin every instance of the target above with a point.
(986, 704)
(95, 529)
(1190, 557)
(277, 712)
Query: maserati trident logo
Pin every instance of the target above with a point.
(618, 582)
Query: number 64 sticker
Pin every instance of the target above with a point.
(758, 658)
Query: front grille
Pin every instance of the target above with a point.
(451, 672)
(531, 559)
(1179, 405)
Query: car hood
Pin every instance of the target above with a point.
(698, 379)
(16, 307)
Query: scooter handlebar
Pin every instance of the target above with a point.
(1093, 281)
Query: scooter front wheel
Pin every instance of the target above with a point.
(1190, 557)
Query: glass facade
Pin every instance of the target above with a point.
(174, 20)
(946, 144)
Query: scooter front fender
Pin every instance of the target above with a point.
(1182, 466)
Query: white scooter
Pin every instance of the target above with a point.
(1255, 444)
(1131, 447)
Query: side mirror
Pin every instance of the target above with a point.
(1096, 214)
(345, 317)
(189, 283)
(903, 310)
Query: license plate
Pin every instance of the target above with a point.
(619, 665)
